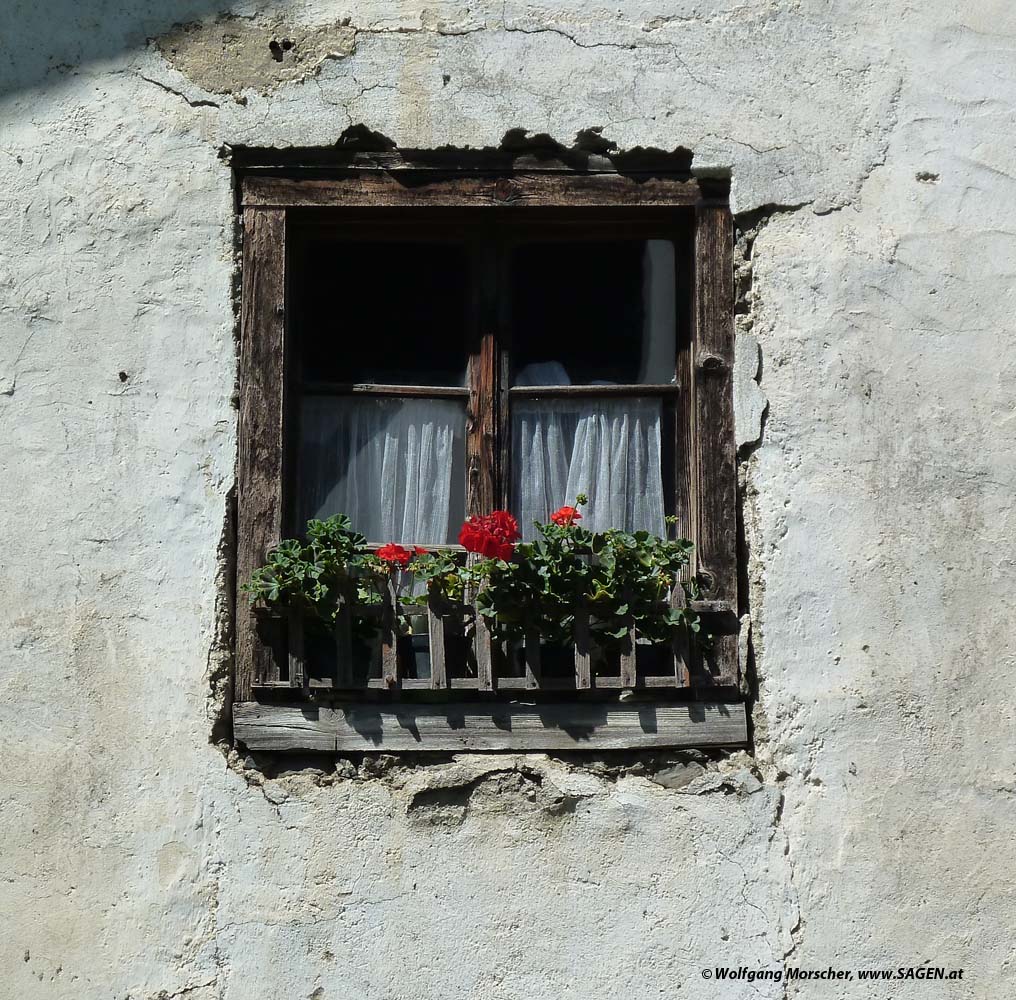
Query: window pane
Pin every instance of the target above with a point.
(395, 466)
(389, 313)
(593, 312)
(608, 449)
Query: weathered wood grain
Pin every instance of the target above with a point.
(593, 391)
(713, 607)
(583, 657)
(260, 450)
(436, 630)
(417, 188)
(680, 645)
(629, 674)
(297, 665)
(482, 459)
(490, 726)
(389, 637)
(483, 647)
(715, 458)
(534, 672)
(375, 389)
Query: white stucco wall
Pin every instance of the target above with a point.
(139, 864)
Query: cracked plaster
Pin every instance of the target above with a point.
(873, 825)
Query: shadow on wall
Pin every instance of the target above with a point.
(42, 39)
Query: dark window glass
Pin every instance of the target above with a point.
(593, 312)
(383, 312)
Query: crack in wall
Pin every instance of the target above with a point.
(233, 54)
(179, 93)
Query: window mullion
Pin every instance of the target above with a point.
(481, 416)
(502, 331)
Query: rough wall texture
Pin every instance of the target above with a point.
(872, 828)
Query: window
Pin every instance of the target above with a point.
(420, 345)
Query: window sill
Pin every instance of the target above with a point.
(489, 726)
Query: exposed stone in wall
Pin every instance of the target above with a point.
(749, 399)
(228, 55)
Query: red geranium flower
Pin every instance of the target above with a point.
(394, 555)
(419, 551)
(503, 526)
(566, 516)
(492, 535)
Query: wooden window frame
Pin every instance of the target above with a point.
(712, 712)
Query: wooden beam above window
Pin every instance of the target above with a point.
(406, 188)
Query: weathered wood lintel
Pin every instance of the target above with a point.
(489, 726)
(408, 188)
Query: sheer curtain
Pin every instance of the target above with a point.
(608, 449)
(387, 463)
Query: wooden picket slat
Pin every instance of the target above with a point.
(484, 655)
(297, 666)
(436, 630)
(680, 645)
(682, 675)
(531, 651)
(583, 671)
(389, 639)
(628, 672)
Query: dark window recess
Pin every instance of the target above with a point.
(593, 312)
(383, 312)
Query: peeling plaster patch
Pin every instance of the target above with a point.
(749, 400)
(500, 791)
(232, 54)
(219, 666)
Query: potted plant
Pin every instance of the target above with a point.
(617, 581)
(633, 575)
(388, 569)
(451, 583)
(313, 577)
(537, 588)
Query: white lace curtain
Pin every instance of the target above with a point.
(395, 466)
(608, 449)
